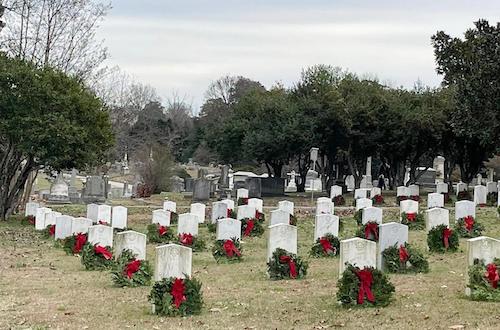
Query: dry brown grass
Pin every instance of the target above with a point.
(41, 287)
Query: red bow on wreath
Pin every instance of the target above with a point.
(403, 254)
(365, 283)
(258, 215)
(103, 251)
(492, 275)
(327, 246)
(186, 239)
(102, 222)
(469, 222)
(228, 213)
(245, 200)
(52, 230)
(411, 217)
(31, 219)
(291, 265)
(177, 292)
(230, 248)
(249, 228)
(371, 228)
(132, 267)
(80, 241)
(446, 236)
(162, 230)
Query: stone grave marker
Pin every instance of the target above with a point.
(358, 252)
(50, 218)
(229, 202)
(361, 203)
(361, 193)
(100, 235)
(246, 211)
(133, 241)
(442, 188)
(408, 206)
(241, 193)
(389, 234)
(414, 190)
(92, 212)
(335, 191)
(282, 236)
(375, 191)
(228, 228)
(257, 203)
(491, 187)
(201, 190)
(63, 227)
(286, 206)
(173, 260)
(482, 248)
(324, 206)
(372, 214)
(461, 187)
(435, 217)
(188, 224)
(161, 217)
(435, 200)
(199, 210)
(119, 217)
(219, 211)
(80, 225)
(402, 191)
(30, 209)
(326, 224)
(40, 217)
(279, 216)
(464, 209)
(480, 195)
(170, 206)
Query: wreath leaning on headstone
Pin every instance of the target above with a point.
(159, 234)
(285, 265)
(484, 280)
(326, 246)
(442, 239)
(468, 227)
(366, 287)
(130, 271)
(464, 195)
(414, 221)
(378, 199)
(195, 242)
(338, 200)
(97, 257)
(404, 259)
(251, 227)
(74, 243)
(176, 297)
(358, 216)
(49, 231)
(492, 198)
(228, 250)
(368, 231)
(28, 220)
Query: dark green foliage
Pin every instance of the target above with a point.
(417, 224)
(93, 261)
(242, 201)
(416, 263)
(140, 278)
(360, 232)
(220, 254)
(348, 288)
(155, 237)
(477, 229)
(435, 240)
(338, 200)
(28, 220)
(492, 198)
(162, 300)
(257, 230)
(174, 218)
(358, 216)
(378, 200)
(481, 289)
(464, 195)
(212, 227)
(281, 271)
(318, 251)
(47, 232)
(197, 245)
(293, 220)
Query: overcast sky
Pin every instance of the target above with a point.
(181, 46)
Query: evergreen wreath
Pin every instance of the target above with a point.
(367, 287)
(498, 210)
(484, 280)
(174, 218)
(404, 259)
(491, 198)
(447, 198)
(97, 257)
(28, 220)
(195, 242)
(436, 239)
(231, 214)
(368, 231)
(326, 246)
(414, 221)
(468, 227)
(212, 227)
(378, 199)
(293, 220)
(251, 228)
(464, 195)
(358, 216)
(49, 231)
(129, 271)
(399, 199)
(228, 250)
(415, 198)
(176, 297)
(159, 234)
(338, 200)
(286, 265)
(242, 201)
(260, 216)
(74, 243)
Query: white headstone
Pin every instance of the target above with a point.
(414, 190)
(435, 217)
(461, 187)
(228, 228)
(324, 206)
(435, 200)
(119, 217)
(30, 209)
(101, 235)
(326, 224)
(63, 227)
(198, 209)
(173, 260)
(133, 241)
(335, 191)
(286, 206)
(92, 212)
(375, 191)
(50, 218)
(282, 236)
(442, 188)
(80, 225)
(246, 211)
(103, 213)
(229, 202)
(161, 217)
(408, 206)
(491, 187)
(361, 203)
(219, 211)
(464, 209)
(279, 216)
(372, 214)
(402, 191)
(257, 203)
(358, 252)
(484, 248)
(40, 217)
(361, 193)
(170, 206)
(242, 193)
(480, 195)
(389, 234)
(188, 224)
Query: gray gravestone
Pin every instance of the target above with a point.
(228, 229)
(100, 235)
(133, 241)
(80, 225)
(63, 227)
(282, 236)
(254, 187)
(358, 252)
(435, 217)
(119, 217)
(201, 190)
(326, 224)
(389, 234)
(173, 260)
(188, 224)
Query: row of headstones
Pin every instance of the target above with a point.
(358, 193)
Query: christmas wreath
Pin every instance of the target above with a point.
(415, 198)
(293, 220)
(97, 257)
(468, 227)
(378, 200)
(129, 271)
(358, 216)
(260, 216)
(176, 297)
(367, 287)
(49, 231)
(231, 214)
(242, 201)
(442, 239)
(414, 221)
(498, 210)
(326, 246)
(491, 198)
(285, 265)
(227, 250)
(464, 195)
(399, 199)
(338, 200)
(447, 198)
(28, 220)
(159, 234)
(174, 218)
(212, 226)
(484, 280)
(74, 243)
(192, 241)
(251, 227)
(368, 231)
(404, 259)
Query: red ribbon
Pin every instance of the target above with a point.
(371, 227)
(446, 235)
(291, 265)
(365, 283)
(132, 267)
(31, 219)
(103, 251)
(492, 275)
(249, 228)
(231, 249)
(177, 292)
(411, 217)
(102, 222)
(403, 254)
(186, 239)
(162, 230)
(52, 230)
(469, 222)
(258, 215)
(327, 246)
(228, 214)
(245, 200)
(80, 241)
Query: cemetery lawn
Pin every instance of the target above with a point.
(41, 287)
